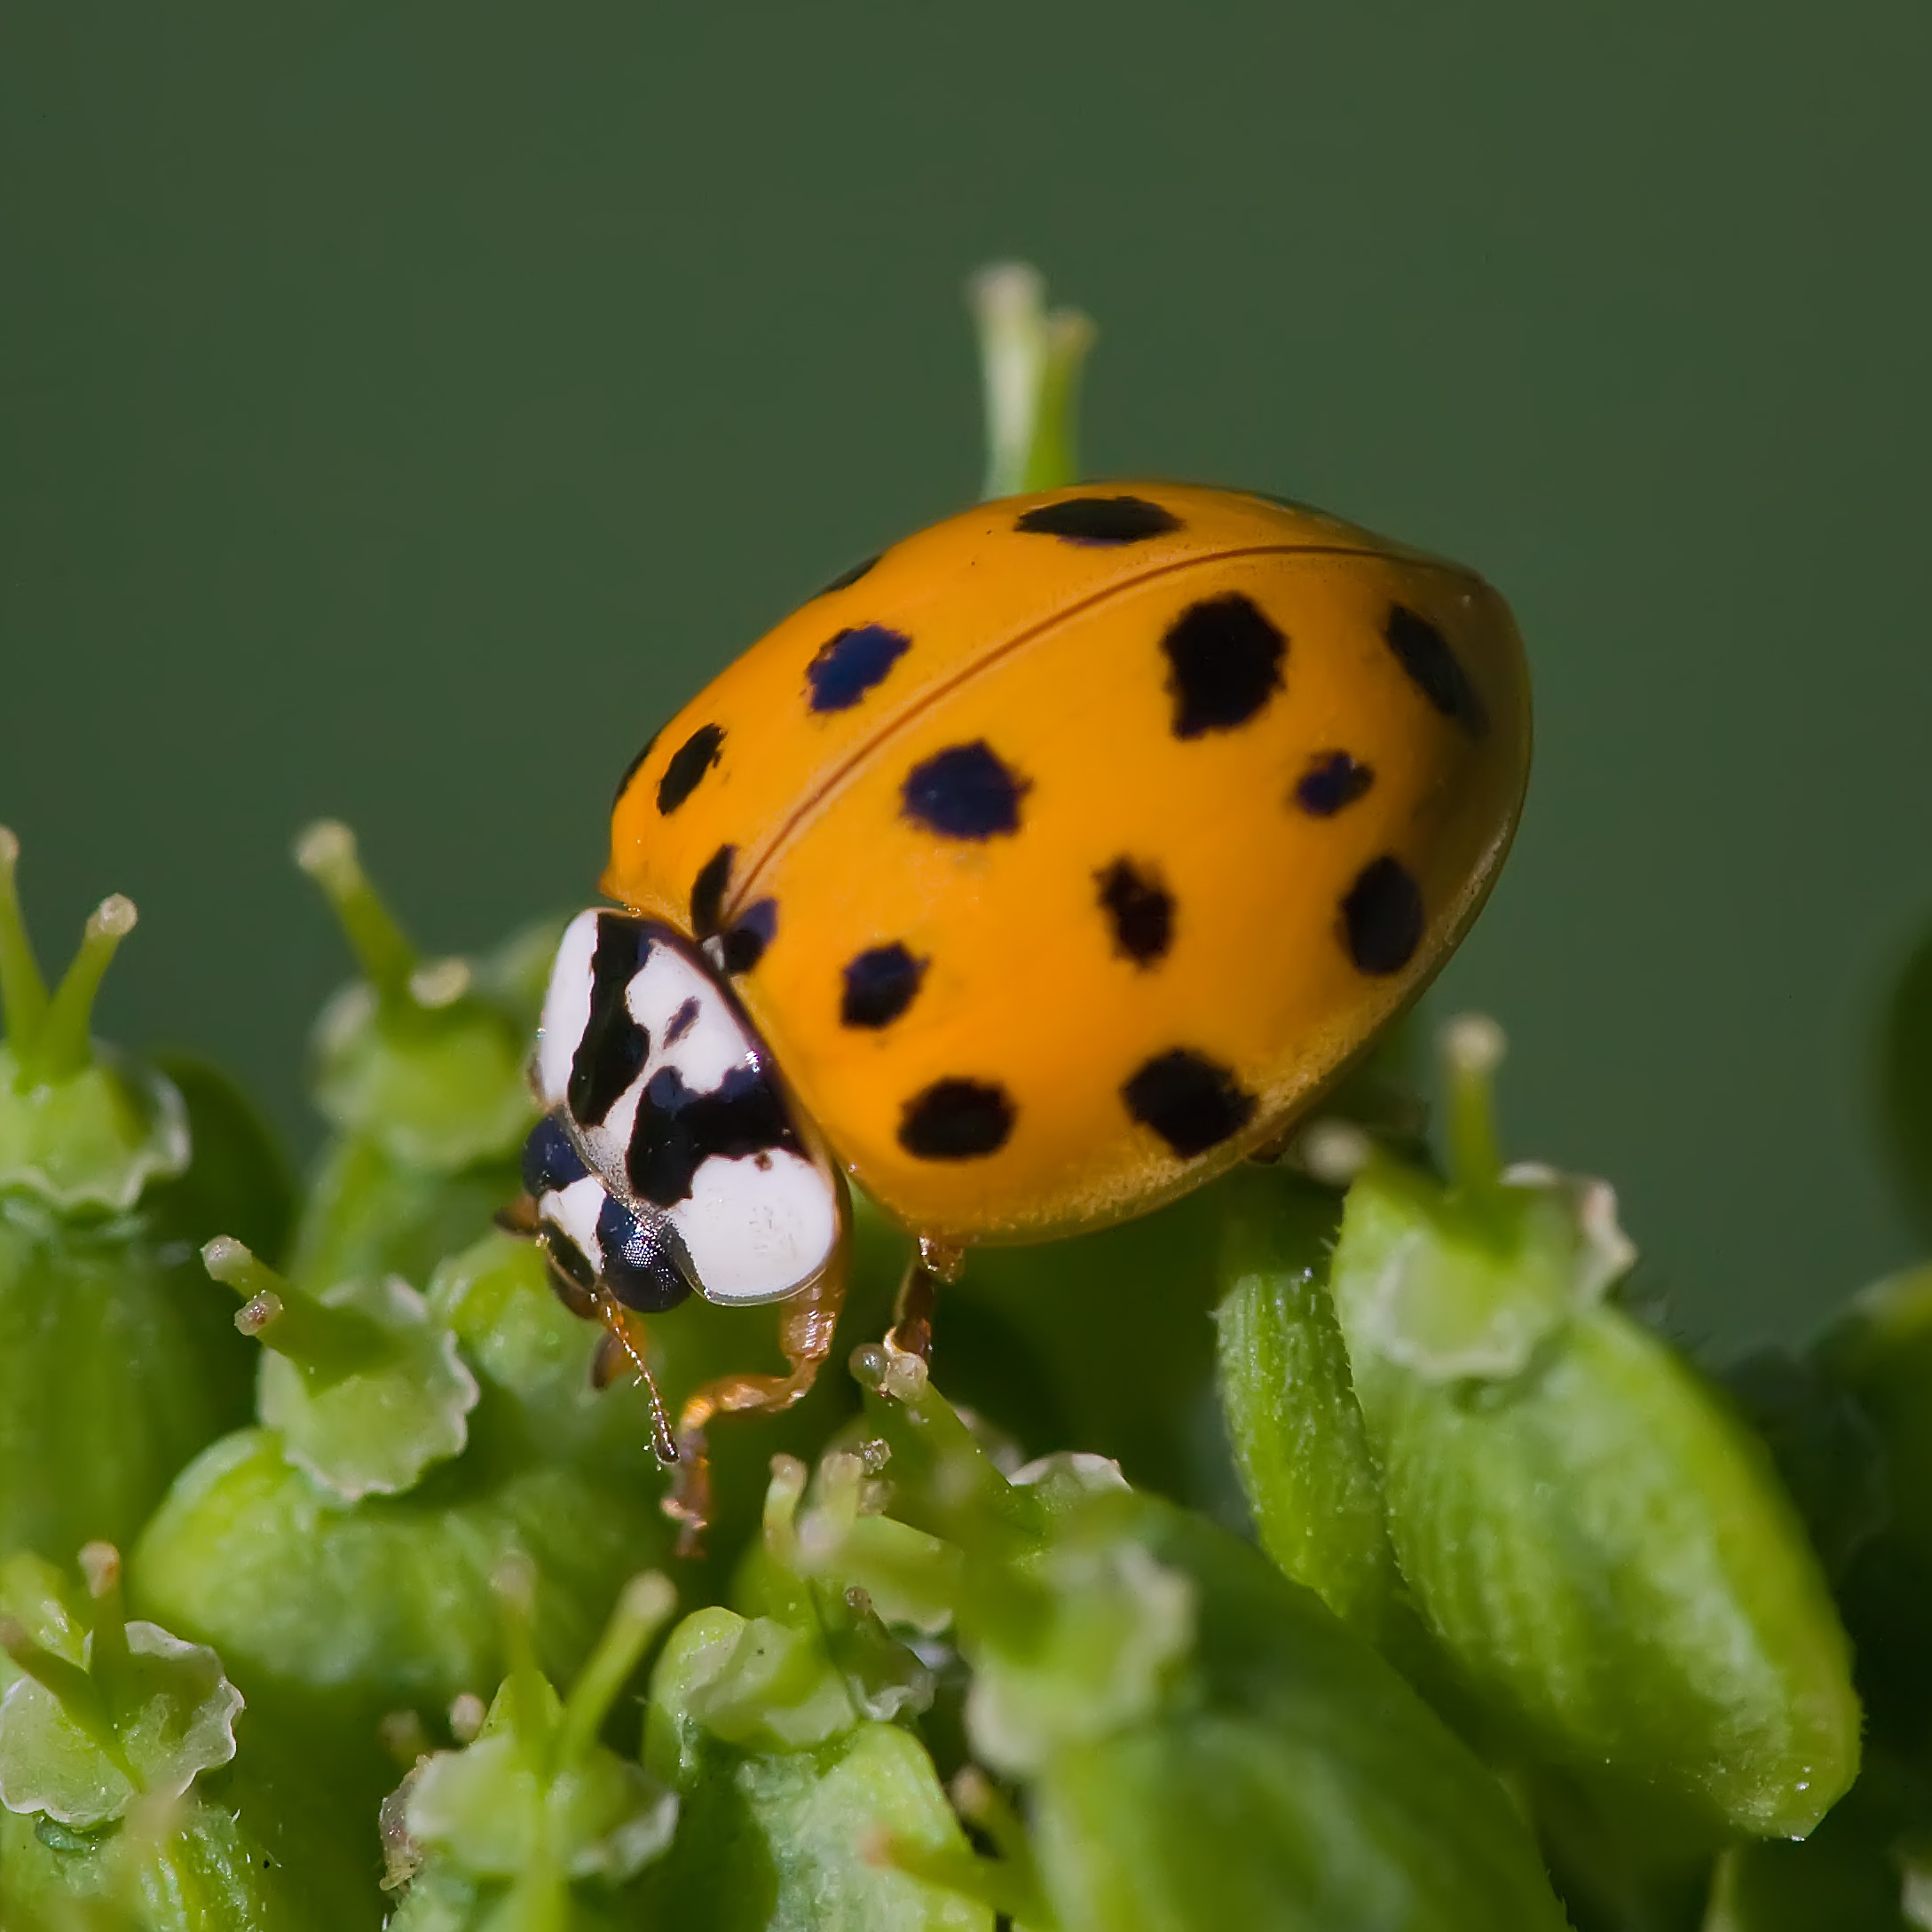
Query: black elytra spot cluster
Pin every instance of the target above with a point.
(957, 1119)
(1332, 782)
(613, 1049)
(1098, 520)
(1424, 653)
(756, 927)
(1224, 662)
(708, 890)
(1381, 918)
(1139, 911)
(880, 984)
(852, 663)
(965, 792)
(688, 764)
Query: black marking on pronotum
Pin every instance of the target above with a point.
(708, 890)
(688, 764)
(965, 792)
(678, 1130)
(1381, 917)
(612, 1050)
(631, 770)
(879, 983)
(1193, 1103)
(681, 1021)
(1332, 781)
(1224, 662)
(1099, 520)
(1424, 653)
(551, 1162)
(636, 1269)
(957, 1120)
(1139, 911)
(846, 579)
(744, 944)
(847, 666)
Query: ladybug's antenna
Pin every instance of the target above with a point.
(624, 1335)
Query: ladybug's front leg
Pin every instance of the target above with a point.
(805, 1334)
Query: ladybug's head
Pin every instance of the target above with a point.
(668, 1158)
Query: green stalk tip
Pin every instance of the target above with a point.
(326, 852)
(1054, 459)
(514, 1585)
(331, 1342)
(1472, 1046)
(1029, 368)
(23, 992)
(643, 1607)
(107, 1659)
(61, 1045)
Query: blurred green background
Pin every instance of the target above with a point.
(407, 406)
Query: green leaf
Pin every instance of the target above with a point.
(1299, 1441)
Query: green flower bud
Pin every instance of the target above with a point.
(420, 1068)
(106, 1726)
(1200, 1742)
(780, 1730)
(534, 1807)
(116, 1362)
(1878, 1356)
(364, 1388)
(1589, 1532)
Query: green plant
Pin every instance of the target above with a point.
(1335, 1547)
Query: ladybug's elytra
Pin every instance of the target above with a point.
(1030, 874)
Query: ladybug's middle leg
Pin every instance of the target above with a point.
(937, 1265)
(805, 1332)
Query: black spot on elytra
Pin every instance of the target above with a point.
(613, 1049)
(1224, 662)
(965, 792)
(1099, 520)
(851, 664)
(678, 1129)
(681, 1021)
(688, 764)
(846, 579)
(1332, 781)
(551, 1162)
(1139, 909)
(631, 770)
(1193, 1103)
(880, 984)
(1424, 653)
(744, 944)
(708, 890)
(636, 1269)
(957, 1120)
(1381, 917)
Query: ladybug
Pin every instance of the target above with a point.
(1029, 875)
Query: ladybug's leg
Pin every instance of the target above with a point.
(936, 1264)
(805, 1332)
